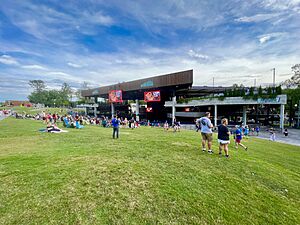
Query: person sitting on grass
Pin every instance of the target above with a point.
(52, 128)
(223, 137)
(238, 138)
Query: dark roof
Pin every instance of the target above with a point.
(176, 80)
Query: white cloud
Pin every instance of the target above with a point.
(74, 65)
(257, 18)
(8, 60)
(34, 67)
(197, 55)
(281, 4)
(267, 37)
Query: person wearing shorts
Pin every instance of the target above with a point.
(238, 138)
(223, 137)
(206, 132)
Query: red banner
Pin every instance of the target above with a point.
(115, 96)
(152, 96)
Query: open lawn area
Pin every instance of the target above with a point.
(148, 176)
(34, 111)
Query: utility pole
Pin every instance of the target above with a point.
(254, 82)
(213, 87)
(273, 77)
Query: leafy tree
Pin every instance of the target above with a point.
(260, 91)
(294, 81)
(243, 93)
(269, 91)
(278, 90)
(37, 85)
(225, 93)
(251, 91)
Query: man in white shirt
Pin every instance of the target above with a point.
(206, 132)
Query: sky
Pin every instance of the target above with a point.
(105, 42)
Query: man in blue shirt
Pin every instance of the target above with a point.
(115, 124)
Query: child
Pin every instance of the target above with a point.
(238, 139)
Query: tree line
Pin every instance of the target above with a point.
(53, 97)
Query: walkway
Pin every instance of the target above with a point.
(293, 138)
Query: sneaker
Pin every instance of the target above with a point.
(203, 150)
(246, 148)
(220, 154)
(210, 151)
(227, 156)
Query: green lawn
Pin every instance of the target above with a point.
(148, 176)
(33, 111)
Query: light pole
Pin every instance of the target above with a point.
(273, 77)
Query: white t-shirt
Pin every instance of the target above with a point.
(205, 124)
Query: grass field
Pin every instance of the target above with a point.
(148, 176)
(33, 111)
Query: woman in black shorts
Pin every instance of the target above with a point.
(223, 137)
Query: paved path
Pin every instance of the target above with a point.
(293, 138)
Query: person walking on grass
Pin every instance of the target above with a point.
(272, 134)
(223, 137)
(238, 139)
(115, 124)
(206, 132)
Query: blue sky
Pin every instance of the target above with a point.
(104, 42)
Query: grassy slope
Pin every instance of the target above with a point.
(146, 177)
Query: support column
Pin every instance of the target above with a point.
(112, 110)
(244, 115)
(95, 111)
(173, 109)
(216, 116)
(281, 116)
(137, 111)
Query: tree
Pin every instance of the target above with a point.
(278, 90)
(260, 91)
(294, 81)
(66, 91)
(251, 91)
(242, 92)
(37, 85)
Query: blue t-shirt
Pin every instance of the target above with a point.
(238, 134)
(115, 122)
(205, 124)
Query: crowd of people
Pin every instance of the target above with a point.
(204, 125)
